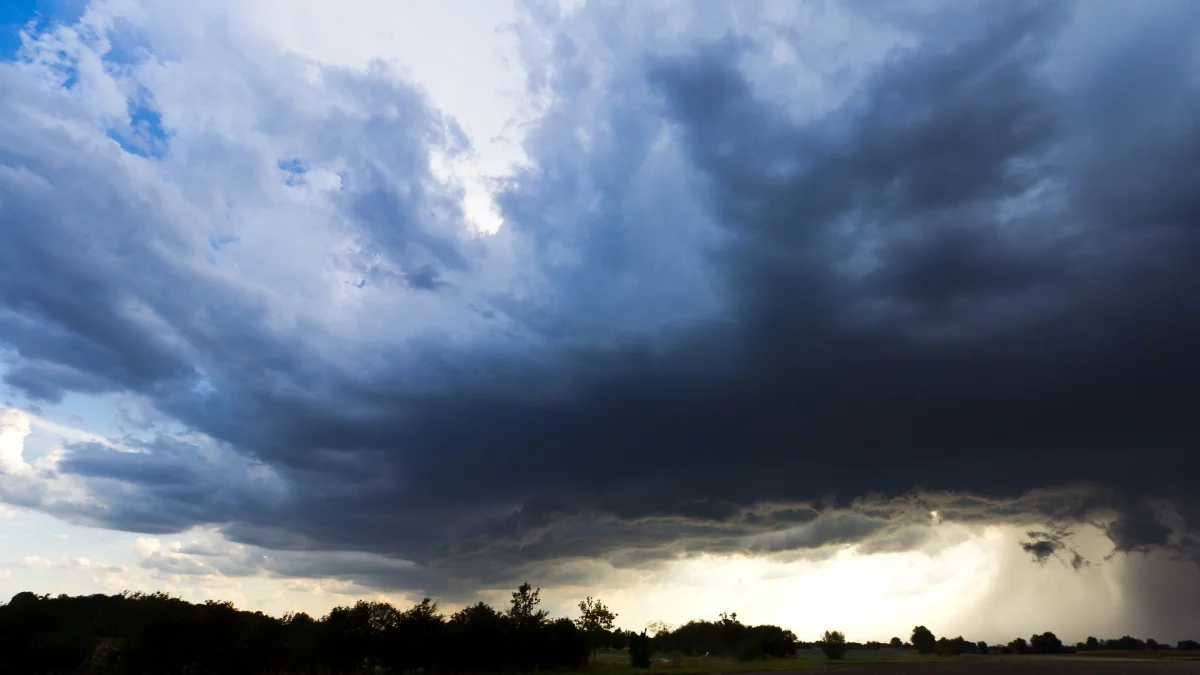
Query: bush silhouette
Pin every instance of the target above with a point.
(833, 644)
(725, 637)
(749, 650)
(639, 650)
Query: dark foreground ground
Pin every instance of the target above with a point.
(1023, 664)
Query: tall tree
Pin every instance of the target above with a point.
(523, 609)
(595, 619)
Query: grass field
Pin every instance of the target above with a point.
(997, 664)
(612, 662)
(1165, 654)
(903, 662)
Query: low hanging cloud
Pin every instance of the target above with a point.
(742, 299)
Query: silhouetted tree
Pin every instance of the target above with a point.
(639, 650)
(833, 644)
(154, 634)
(596, 621)
(773, 640)
(726, 637)
(523, 606)
(731, 633)
(953, 647)
(657, 628)
(923, 640)
(1124, 642)
(1188, 645)
(485, 634)
(1046, 643)
(620, 639)
(895, 643)
(981, 647)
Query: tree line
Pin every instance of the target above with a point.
(155, 634)
(924, 642)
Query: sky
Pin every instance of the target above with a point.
(837, 315)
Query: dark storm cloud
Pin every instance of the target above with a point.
(177, 483)
(964, 283)
(1043, 546)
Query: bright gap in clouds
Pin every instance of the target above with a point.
(460, 53)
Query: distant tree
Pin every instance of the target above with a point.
(1188, 645)
(135, 633)
(619, 639)
(639, 650)
(416, 641)
(656, 628)
(982, 647)
(1151, 643)
(523, 606)
(25, 597)
(772, 640)
(923, 640)
(732, 635)
(485, 630)
(833, 644)
(953, 647)
(1018, 646)
(1092, 643)
(1125, 642)
(558, 643)
(596, 620)
(895, 643)
(1046, 643)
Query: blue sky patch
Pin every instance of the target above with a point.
(295, 170)
(15, 15)
(145, 135)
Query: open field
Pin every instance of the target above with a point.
(903, 662)
(1018, 665)
(1166, 654)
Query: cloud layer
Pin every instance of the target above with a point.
(754, 290)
